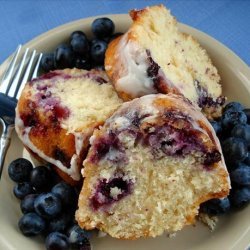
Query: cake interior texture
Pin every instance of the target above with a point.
(141, 180)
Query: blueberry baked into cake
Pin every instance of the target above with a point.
(57, 113)
(153, 56)
(149, 167)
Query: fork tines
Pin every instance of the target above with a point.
(20, 71)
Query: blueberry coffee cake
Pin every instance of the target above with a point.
(153, 56)
(150, 166)
(57, 113)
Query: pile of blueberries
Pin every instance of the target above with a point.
(81, 52)
(48, 205)
(233, 131)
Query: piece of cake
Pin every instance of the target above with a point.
(58, 112)
(151, 165)
(153, 56)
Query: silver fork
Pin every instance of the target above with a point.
(16, 75)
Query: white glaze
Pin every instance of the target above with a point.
(134, 80)
(79, 140)
(23, 133)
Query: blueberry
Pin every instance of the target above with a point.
(106, 39)
(240, 197)
(65, 193)
(27, 204)
(99, 67)
(48, 205)
(94, 40)
(242, 131)
(41, 178)
(60, 223)
(247, 113)
(234, 150)
(216, 126)
(56, 241)
(77, 33)
(79, 237)
(241, 175)
(22, 189)
(216, 206)
(55, 178)
(232, 118)
(31, 224)
(47, 62)
(97, 51)
(236, 106)
(19, 170)
(247, 160)
(64, 57)
(102, 27)
(80, 45)
(82, 63)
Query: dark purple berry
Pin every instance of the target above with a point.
(103, 27)
(243, 132)
(65, 193)
(77, 33)
(247, 160)
(82, 63)
(216, 206)
(41, 178)
(47, 62)
(22, 189)
(232, 118)
(64, 57)
(57, 241)
(60, 223)
(55, 178)
(27, 204)
(216, 126)
(102, 196)
(78, 237)
(19, 170)
(235, 106)
(241, 175)
(80, 45)
(99, 67)
(97, 51)
(247, 113)
(240, 197)
(234, 150)
(48, 205)
(31, 224)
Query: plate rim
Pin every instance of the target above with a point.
(69, 25)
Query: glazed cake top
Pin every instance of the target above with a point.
(78, 98)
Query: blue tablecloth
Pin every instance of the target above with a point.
(226, 20)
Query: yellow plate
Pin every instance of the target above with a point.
(232, 232)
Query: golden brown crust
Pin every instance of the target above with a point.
(46, 137)
(115, 72)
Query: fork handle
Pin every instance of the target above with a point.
(4, 143)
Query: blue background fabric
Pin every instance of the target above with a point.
(226, 20)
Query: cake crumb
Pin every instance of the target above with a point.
(208, 220)
(114, 192)
(171, 235)
(101, 234)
